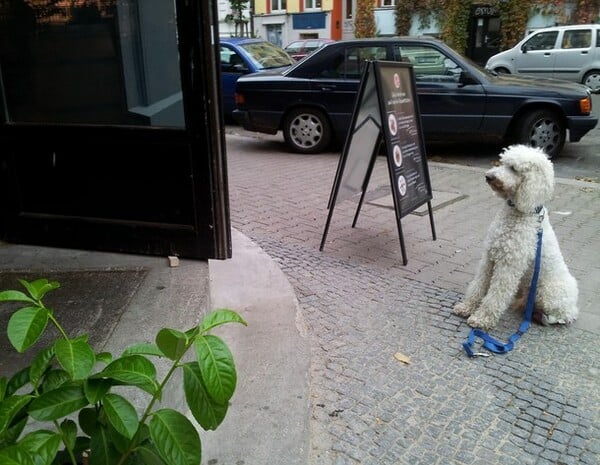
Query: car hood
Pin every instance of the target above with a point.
(266, 73)
(550, 86)
(498, 57)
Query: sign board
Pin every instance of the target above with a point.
(386, 111)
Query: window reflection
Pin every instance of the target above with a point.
(90, 62)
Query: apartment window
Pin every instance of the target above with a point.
(388, 2)
(312, 5)
(278, 5)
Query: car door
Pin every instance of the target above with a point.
(233, 65)
(447, 106)
(538, 54)
(574, 54)
(335, 85)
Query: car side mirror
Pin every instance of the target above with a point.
(239, 68)
(524, 48)
(466, 79)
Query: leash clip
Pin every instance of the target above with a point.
(481, 354)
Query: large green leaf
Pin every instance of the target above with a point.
(172, 343)
(38, 288)
(76, 356)
(54, 379)
(143, 348)
(40, 364)
(121, 414)
(26, 326)
(95, 389)
(9, 436)
(217, 367)
(69, 431)
(15, 455)
(15, 296)
(175, 438)
(220, 317)
(208, 413)
(42, 446)
(149, 455)
(9, 409)
(134, 370)
(88, 420)
(102, 451)
(58, 403)
(17, 381)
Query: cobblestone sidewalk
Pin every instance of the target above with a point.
(540, 404)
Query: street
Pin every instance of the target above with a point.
(579, 161)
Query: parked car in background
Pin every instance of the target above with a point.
(562, 52)
(312, 102)
(302, 48)
(239, 56)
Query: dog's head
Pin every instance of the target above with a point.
(525, 176)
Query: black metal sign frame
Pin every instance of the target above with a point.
(386, 112)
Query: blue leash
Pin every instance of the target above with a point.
(495, 346)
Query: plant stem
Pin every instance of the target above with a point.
(148, 411)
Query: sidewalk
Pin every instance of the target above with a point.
(540, 404)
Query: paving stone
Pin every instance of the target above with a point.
(539, 403)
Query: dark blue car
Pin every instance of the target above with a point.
(312, 102)
(239, 56)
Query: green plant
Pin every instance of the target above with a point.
(78, 396)
(364, 24)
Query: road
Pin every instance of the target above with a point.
(578, 161)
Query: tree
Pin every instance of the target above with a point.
(364, 24)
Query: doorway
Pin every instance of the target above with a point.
(484, 33)
(110, 127)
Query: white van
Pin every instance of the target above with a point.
(563, 52)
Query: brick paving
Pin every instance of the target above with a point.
(539, 405)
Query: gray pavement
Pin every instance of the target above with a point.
(537, 405)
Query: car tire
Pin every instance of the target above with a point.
(592, 80)
(501, 70)
(307, 130)
(542, 128)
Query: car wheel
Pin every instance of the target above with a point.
(501, 70)
(543, 129)
(307, 130)
(592, 80)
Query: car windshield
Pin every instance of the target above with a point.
(265, 55)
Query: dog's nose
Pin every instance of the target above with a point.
(489, 177)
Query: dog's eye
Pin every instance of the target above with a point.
(512, 168)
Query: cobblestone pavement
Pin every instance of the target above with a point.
(540, 404)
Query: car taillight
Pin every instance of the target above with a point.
(585, 105)
(239, 99)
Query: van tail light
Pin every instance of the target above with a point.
(585, 105)
(239, 99)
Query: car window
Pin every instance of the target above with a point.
(350, 64)
(580, 38)
(231, 61)
(541, 41)
(294, 47)
(429, 64)
(265, 55)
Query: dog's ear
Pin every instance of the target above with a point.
(537, 183)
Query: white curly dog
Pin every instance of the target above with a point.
(525, 179)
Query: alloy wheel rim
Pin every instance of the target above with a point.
(306, 130)
(545, 134)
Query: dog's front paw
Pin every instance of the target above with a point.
(483, 321)
(462, 309)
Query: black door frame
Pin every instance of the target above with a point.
(199, 149)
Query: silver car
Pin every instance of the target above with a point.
(571, 53)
